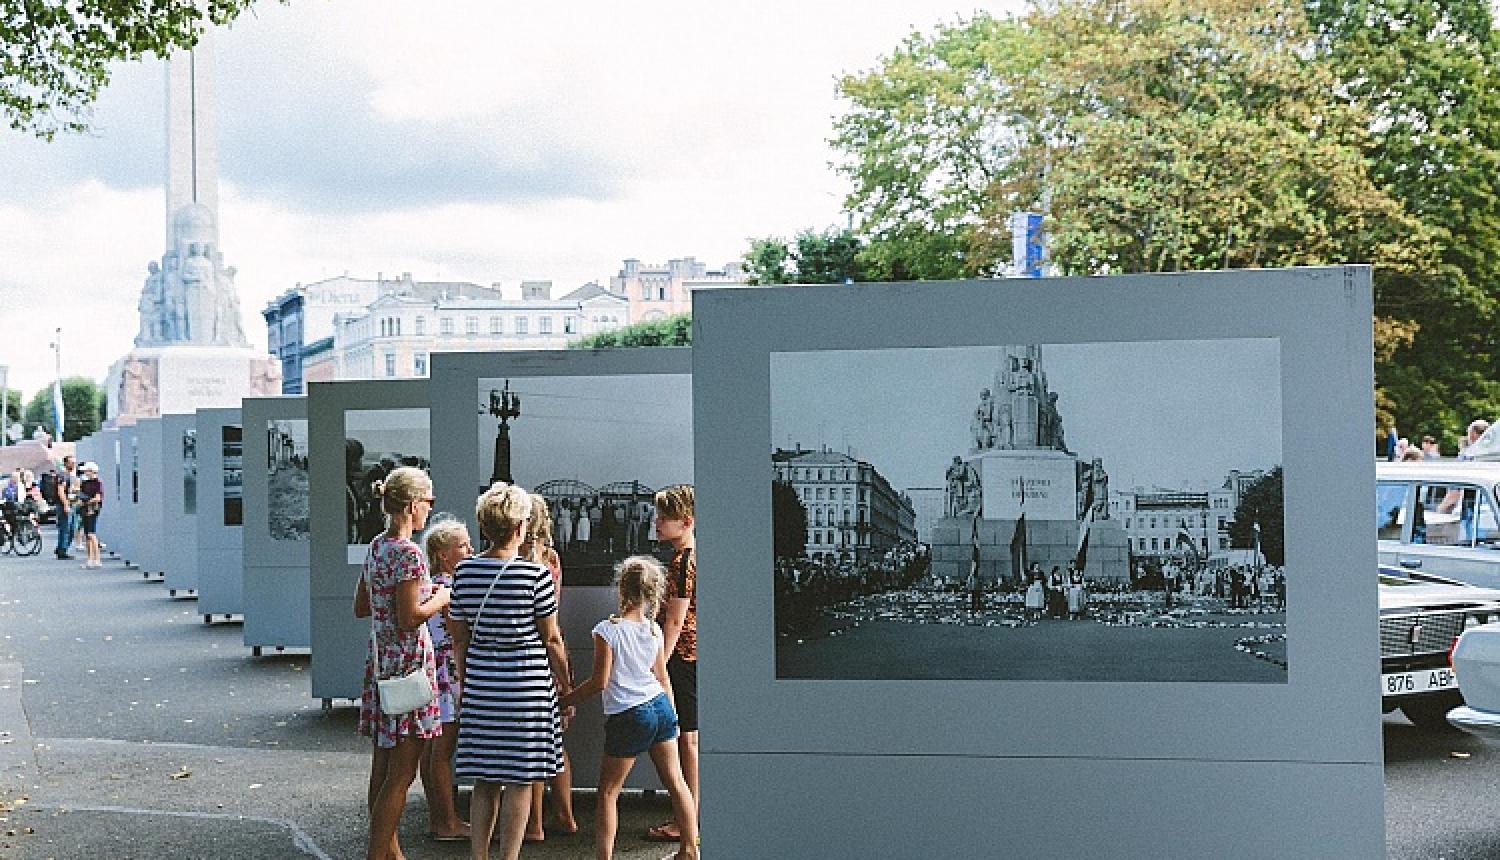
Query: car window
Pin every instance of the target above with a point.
(1390, 513)
(1487, 527)
(1444, 515)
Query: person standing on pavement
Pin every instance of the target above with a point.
(90, 503)
(447, 543)
(67, 504)
(1475, 429)
(511, 655)
(398, 596)
(1430, 450)
(679, 626)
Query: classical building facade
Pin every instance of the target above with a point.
(1155, 518)
(397, 334)
(853, 512)
(657, 291)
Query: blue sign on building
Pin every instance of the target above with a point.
(1028, 244)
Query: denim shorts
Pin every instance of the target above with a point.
(630, 733)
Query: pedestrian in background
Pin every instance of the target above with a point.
(679, 625)
(397, 594)
(447, 543)
(90, 503)
(538, 548)
(511, 655)
(1472, 433)
(630, 669)
(1430, 449)
(67, 501)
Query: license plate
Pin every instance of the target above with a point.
(1421, 681)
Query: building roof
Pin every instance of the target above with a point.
(815, 457)
(591, 290)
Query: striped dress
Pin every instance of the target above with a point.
(509, 730)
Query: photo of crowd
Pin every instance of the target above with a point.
(286, 471)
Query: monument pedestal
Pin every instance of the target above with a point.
(152, 381)
(1042, 482)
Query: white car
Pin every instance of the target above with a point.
(1440, 517)
(1476, 658)
(1420, 617)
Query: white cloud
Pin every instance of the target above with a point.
(468, 140)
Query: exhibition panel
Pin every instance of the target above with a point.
(274, 574)
(1041, 539)
(147, 470)
(593, 432)
(220, 463)
(175, 486)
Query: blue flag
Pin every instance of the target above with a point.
(57, 407)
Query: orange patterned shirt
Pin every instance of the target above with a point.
(682, 581)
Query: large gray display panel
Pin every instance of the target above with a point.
(275, 579)
(176, 487)
(119, 529)
(147, 522)
(220, 463)
(353, 429)
(898, 711)
(593, 428)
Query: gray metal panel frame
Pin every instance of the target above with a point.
(274, 574)
(1025, 740)
(220, 551)
(147, 521)
(455, 378)
(339, 640)
(178, 538)
(104, 442)
(120, 533)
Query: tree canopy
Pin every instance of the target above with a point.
(670, 331)
(830, 256)
(82, 404)
(55, 56)
(1168, 135)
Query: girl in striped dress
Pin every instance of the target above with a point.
(510, 654)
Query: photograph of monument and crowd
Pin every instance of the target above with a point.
(1084, 512)
(376, 443)
(233, 450)
(597, 448)
(286, 473)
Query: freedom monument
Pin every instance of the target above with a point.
(1018, 496)
(191, 351)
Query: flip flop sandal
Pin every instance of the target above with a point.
(663, 833)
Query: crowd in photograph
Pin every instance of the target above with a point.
(805, 587)
(467, 674)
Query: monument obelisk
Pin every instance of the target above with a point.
(191, 351)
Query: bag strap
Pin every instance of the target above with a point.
(480, 614)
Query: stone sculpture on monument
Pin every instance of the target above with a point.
(190, 350)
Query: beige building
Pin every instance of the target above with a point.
(853, 512)
(656, 291)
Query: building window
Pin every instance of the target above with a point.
(1223, 543)
(471, 326)
(382, 328)
(390, 364)
(661, 294)
(445, 325)
(820, 494)
(494, 325)
(570, 326)
(419, 364)
(1153, 543)
(544, 325)
(521, 325)
(421, 325)
(398, 326)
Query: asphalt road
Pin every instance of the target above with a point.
(129, 729)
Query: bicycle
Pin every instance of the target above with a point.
(20, 533)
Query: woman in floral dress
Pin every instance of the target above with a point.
(397, 594)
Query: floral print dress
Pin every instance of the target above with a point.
(442, 644)
(389, 563)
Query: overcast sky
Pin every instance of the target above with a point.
(467, 140)
(1178, 414)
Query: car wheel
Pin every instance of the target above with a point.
(1430, 716)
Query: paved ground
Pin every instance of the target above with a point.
(128, 729)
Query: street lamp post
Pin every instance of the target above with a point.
(57, 407)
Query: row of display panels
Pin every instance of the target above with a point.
(920, 452)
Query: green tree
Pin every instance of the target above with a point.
(669, 331)
(1425, 73)
(81, 398)
(55, 56)
(14, 409)
(788, 521)
(1262, 505)
(830, 256)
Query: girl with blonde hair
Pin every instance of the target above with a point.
(630, 669)
(510, 654)
(538, 548)
(398, 596)
(447, 543)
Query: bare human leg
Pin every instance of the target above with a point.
(684, 809)
(443, 820)
(612, 774)
(390, 800)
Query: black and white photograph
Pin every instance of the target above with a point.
(190, 472)
(376, 443)
(1052, 512)
(597, 448)
(135, 470)
(233, 438)
(286, 479)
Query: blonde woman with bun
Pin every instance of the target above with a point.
(509, 651)
(538, 548)
(398, 596)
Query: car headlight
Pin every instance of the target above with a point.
(1474, 621)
